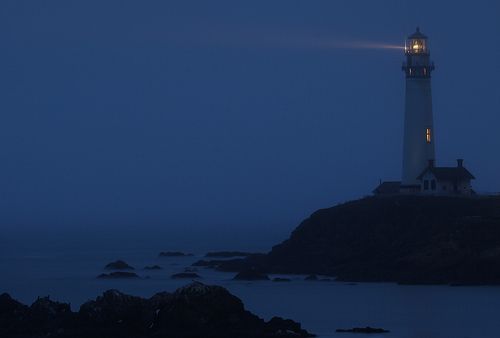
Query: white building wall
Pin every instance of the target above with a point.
(429, 177)
(418, 117)
(444, 187)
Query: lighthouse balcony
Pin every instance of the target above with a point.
(418, 71)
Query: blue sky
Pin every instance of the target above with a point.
(225, 114)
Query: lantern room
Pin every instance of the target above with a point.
(418, 63)
(416, 43)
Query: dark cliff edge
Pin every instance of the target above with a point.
(403, 239)
(196, 310)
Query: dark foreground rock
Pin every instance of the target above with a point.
(174, 254)
(118, 265)
(363, 330)
(196, 310)
(404, 239)
(191, 275)
(251, 274)
(280, 279)
(118, 275)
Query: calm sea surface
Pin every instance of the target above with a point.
(408, 311)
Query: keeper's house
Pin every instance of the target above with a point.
(446, 180)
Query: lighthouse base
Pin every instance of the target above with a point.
(409, 189)
(396, 188)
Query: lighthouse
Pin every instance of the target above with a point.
(420, 174)
(419, 138)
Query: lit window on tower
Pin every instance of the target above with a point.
(428, 136)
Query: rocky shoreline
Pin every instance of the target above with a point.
(402, 239)
(195, 310)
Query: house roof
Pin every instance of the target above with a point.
(448, 173)
(390, 187)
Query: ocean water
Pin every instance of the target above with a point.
(68, 275)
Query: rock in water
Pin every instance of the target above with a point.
(283, 326)
(191, 275)
(118, 265)
(251, 274)
(152, 267)
(205, 263)
(174, 254)
(118, 275)
(196, 310)
(311, 277)
(229, 254)
(362, 330)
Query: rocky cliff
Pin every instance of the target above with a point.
(405, 239)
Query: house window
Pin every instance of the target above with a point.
(426, 185)
(433, 184)
(428, 136)
(444, 187)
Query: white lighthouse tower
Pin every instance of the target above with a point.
(420, 174)
(418, 143)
